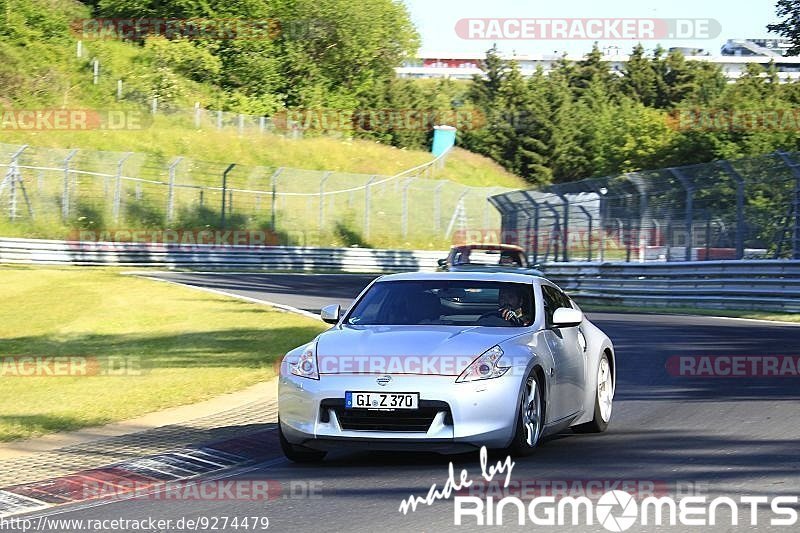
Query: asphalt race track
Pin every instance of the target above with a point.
(731, 436)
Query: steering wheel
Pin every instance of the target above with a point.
(490, 314)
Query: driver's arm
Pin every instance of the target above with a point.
(511, 316)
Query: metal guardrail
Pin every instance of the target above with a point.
(750, 285)
(52, 252)
(757, 285)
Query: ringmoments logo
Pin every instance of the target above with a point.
(618, 511)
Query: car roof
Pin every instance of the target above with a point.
(479, 246)
(509, 277)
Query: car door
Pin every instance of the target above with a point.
(568, 354)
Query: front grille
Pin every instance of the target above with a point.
(415, 420)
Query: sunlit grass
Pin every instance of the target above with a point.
(189, 345)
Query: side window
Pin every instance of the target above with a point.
(553, 299)
(564, 300)
(550, 301)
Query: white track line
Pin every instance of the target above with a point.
(282, 307)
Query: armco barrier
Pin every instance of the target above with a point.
(757, 285)
(50, 252)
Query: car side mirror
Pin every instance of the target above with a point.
(331, 313)
(441, 262)
(565, 317)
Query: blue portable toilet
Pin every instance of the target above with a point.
(444, 137)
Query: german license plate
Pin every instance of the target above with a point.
(381, 400)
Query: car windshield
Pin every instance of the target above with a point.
(445, 303)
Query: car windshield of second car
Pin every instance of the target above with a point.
(445, 303)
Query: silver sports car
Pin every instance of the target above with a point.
(447, 362)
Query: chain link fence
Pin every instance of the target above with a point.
(746, 208)
(53, 193)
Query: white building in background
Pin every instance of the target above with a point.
(735, 55)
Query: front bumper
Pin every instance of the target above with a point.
(463, 415)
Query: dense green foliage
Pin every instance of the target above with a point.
(789, 26)
(308, 54)
(580, 120)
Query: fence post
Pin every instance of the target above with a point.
(668, 237)
(486, 212)
(367, 193)
(154, 105)
(404, 216)
(457, 213)
(589, 218)
(535, 233)
(565, 232)
(118, 187)
(274, 184)
(119, 89)
(535, 239)
(197, 115)
(689, 187)
(322, 181)
(11, 179)
(95, 71)
(641, 188)
(603, 215)
(65, 194)
(171, 190)
(241, 124)
(739, 208)
(437, 208)
(555, 231)
(225, 190)
(219, 119)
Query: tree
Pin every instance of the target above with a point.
(789, 27)
(639, 80)
(592, 68)
(697, 82)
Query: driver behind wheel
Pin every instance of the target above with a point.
(512, 306)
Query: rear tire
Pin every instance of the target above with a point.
(603, 400)
(530, 420)
(297, 453)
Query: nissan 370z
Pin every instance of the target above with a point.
(447, 362)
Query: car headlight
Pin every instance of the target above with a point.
(484, 367)
(306, 365)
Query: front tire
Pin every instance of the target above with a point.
(297, 453)
(530, 420)
(603, 399)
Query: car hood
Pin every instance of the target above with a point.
(438, 350)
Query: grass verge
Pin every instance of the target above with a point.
(167, 138)
(187, 346)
